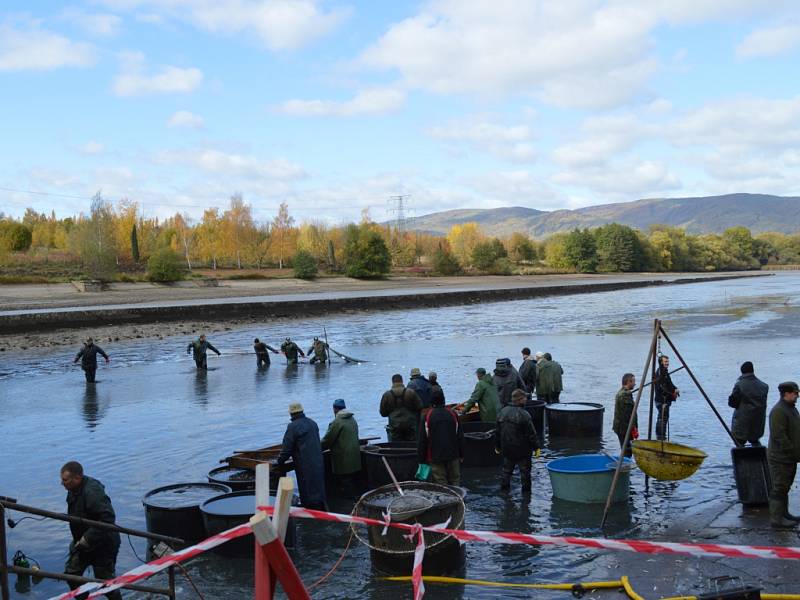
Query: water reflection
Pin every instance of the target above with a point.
(200, 396)
(584, 519)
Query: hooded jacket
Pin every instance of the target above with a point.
(440, 437)
(342, 440)
(549, 377)
(506, 380)
(402, 406)
(485, 396)
(90, 501)
(750, 397)
(516, 436)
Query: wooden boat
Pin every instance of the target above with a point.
(248, 459)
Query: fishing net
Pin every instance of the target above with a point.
(424, 503)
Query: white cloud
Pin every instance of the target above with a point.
(770, 41)
(186, 119)
(218, 162)
(743, 123)
(512, 142)
(278, 24)
(92, 148)
(514, 188)
(366, 102)
(604, 137)
(133, 81)
(30, 48)
(623, 179)
(97, 24)
(584, 53)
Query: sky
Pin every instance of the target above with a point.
(336, 107)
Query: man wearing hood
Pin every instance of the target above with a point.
(301, 443)
(88, 357)
(342, 440)
(485, 396)
(549, 384)
(402, 407)
(506, 379)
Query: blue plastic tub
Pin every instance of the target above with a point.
(587, 478)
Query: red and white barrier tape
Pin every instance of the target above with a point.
(492, 537)
(158, 565)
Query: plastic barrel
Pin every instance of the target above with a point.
(401, 456)
(479, 445)
(751, 472)
(229, 510)
(174, 510)
(536, 409)
(586, 478)
(392, 553)
(575, 419)
(235, 478)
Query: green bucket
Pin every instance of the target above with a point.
(587, 478)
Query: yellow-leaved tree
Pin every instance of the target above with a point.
(463, 239)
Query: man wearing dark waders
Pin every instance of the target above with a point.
(749, 401)
(516, 439)
(506, 380)
(342, 440)
(665, 394)
(320, 351)
(783, 454)
(549, 382)
(90, 546)
(262, 353)
(623, 409)
(291, 350)
(301, 443)
(441, 442)
(527, 370)
(402, 407)
(199, 349)
(88, 357)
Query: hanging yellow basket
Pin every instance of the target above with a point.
(667, 461)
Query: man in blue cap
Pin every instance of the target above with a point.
(342, 440)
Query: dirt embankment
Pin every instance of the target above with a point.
(39, 316)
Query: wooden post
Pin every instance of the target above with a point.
(279, 559)
(6, 592)
(263, 585)
(283, 502)
(699, 387)
(656, 327)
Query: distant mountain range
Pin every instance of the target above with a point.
(711, 214)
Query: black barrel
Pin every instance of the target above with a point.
(751, 472)
(235, 478)
(401, 456)
(393, 553)
(225, 511)
(479, 445)
(536, 409)
(174, 510)
(575, 419)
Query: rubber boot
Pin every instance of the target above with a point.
(777, 520)
(787, 514)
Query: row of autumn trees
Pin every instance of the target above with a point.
(118, 237)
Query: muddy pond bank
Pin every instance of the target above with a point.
(47, 327)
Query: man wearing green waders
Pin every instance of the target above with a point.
(784, 454)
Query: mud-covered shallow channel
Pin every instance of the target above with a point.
(152, 420)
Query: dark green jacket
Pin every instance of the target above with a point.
(749, 395)
(516, 436)
(200, 349)
(623, 407)
(548, 377)
(342, 440)
(291, 350)
(485, 396)
(91, 502)
(784, 433)
(402, 406)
